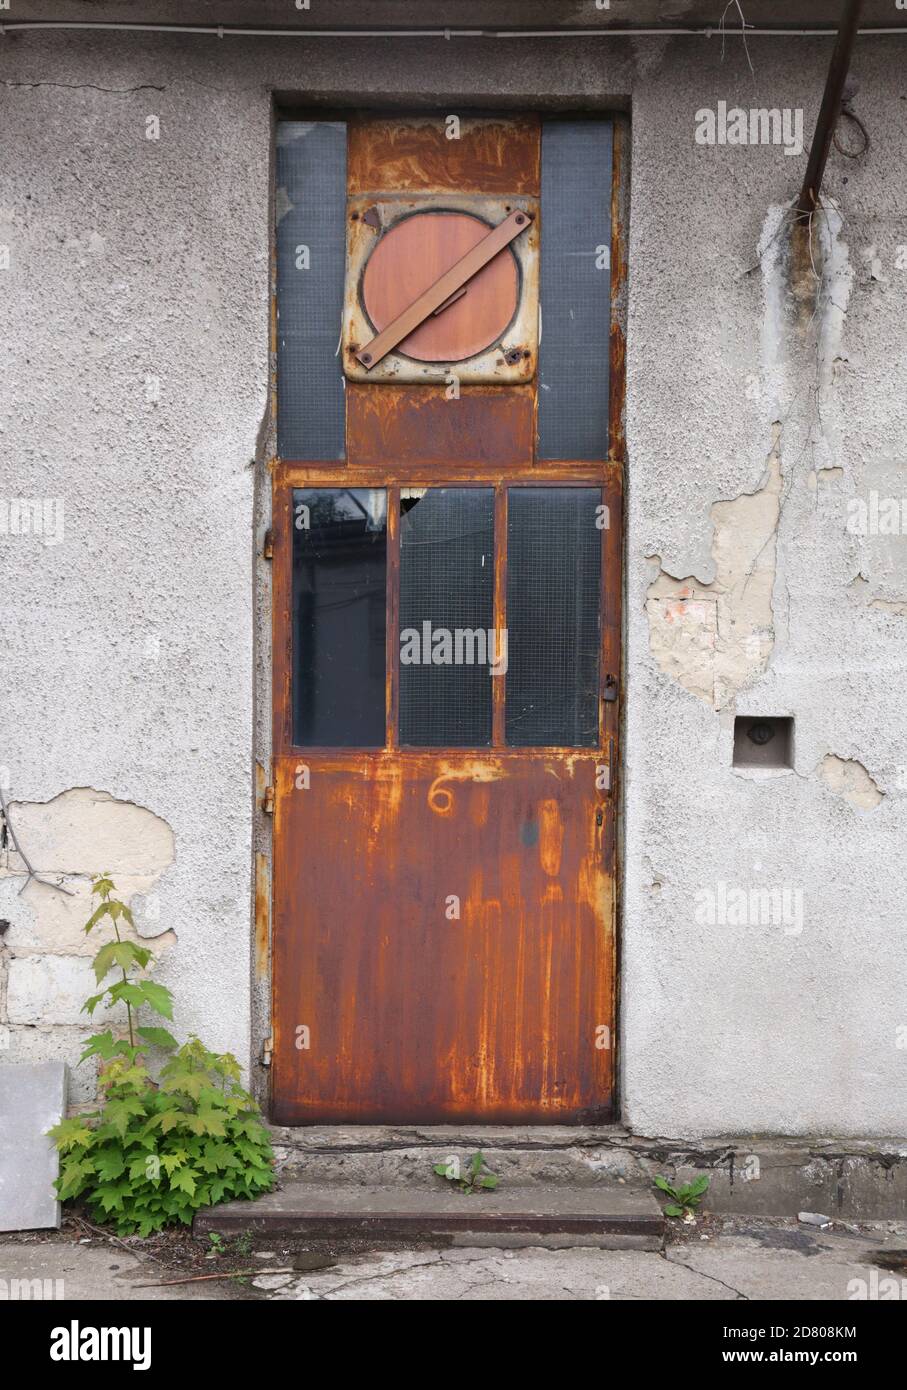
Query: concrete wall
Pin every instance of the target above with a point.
(136, 376)
(794, 1026)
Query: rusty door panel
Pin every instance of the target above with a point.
(414, 155)
(392, 426)
(414, 1015)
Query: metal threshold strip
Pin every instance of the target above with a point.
(223, 31)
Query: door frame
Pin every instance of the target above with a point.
(273, 475)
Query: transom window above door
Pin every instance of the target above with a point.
(415, 256)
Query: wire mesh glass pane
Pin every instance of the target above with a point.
(339, 616)
(575, 290)
(553, 616)
(448, 647)
(311, 252)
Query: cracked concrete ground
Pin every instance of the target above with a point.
(747, 1260)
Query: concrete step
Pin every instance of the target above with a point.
(522, 1156)
(609, 1217)
(850, 1179)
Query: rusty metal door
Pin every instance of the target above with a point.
(446, 677)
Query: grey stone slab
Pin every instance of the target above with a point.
(32, 1099)
(606, 1216)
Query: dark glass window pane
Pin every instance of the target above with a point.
(575, 292)
(311, 251)
(553, 607)
(447, 641)
(339, 622)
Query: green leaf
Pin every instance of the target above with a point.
(119, 1074)
(122, 954)
(490, 1181)
(141, 1170)
(696, 1188)
(95, 917)
(99, 1045)
(158, 1037)
(184, 1180)
(117, 1113)
(128, 993)
(673, 1211)
(109, 1163)
(158, 998)
(71, 1134)
(111, 1198)
(223, 1156)
(212, 1123)
(189, 1083)
(665, 1186)
(73, 1178)
(92, 1002)
(170, 1119)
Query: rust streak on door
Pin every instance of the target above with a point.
(394, 425)
(415, 155)
(410, 1012)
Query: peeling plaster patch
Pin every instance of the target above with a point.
(896, 606)
(873, 262)
(715, 639)
(848, 778)
(42, 919)
(682, 635)
(83, 831)
(77, 834)
(820, 477)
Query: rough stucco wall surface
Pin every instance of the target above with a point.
(130, 643)
(789, 1019)
(135, 373)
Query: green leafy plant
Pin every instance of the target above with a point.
(156, 1151)
(474, 1179)
(684, 1200)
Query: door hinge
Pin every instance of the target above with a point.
(267, 1048)
(267, 804)
(267, 546)
(610, 691)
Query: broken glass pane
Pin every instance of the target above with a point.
(448, 648)
(339, 624)
(553, 616)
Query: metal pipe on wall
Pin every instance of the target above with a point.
(830, 110)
